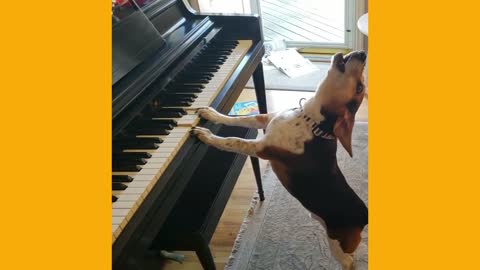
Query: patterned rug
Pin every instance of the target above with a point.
(278, 234)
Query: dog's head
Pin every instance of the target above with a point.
(341, 94)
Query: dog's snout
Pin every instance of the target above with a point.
(361, 55)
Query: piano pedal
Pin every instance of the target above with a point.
(172, 256)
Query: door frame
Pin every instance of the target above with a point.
(354, 40)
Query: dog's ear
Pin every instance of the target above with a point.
(343, 130)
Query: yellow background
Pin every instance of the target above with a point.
(55, 142)
(423, 135)
(55, 135)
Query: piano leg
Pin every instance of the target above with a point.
(258, 177)
(205, 256)
(259, 83)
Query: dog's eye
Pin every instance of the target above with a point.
(359, 88)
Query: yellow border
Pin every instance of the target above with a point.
(55, 138)
(423, 135)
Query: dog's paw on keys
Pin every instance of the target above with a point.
(202, 134)
(208, 113)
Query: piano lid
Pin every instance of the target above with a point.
(134, 38)
(177, 29)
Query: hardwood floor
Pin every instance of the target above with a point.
(239, 202)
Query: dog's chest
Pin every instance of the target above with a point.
(289, 131)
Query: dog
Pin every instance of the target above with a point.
(301, 145)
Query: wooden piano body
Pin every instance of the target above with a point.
(175, 203)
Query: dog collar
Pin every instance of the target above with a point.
(317, 129)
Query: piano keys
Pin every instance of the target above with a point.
(175, 130)
(205, 61)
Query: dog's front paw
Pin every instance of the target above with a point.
(203, 134)
(209, 114)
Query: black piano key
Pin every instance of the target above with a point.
(194, 80)
(170, 99)
(209, 60)
(186, 86)
(173, 110)
(131, 155)
(133, 142)
(178, 85)
(114, 198)
(204, 67)
(199, 72)
(119, 186)
(178, 103)
(152, 131)
(163, 114)
(149, 123)
(140, 146)
(218, 62)
(133, 139)
(220, 48)
(173, 95)
(221, 52)
(128, 161)
(194, 76)
(233, 41)
(186, 90)
(121, 178)
(170, 122)
(216, 56)
(126, 168)
(198, 66)
(194, 72)
(181, 95)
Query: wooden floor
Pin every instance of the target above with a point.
(303, 20)
(239, 202)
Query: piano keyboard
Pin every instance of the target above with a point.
(141, 155)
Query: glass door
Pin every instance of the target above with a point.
(310, 23)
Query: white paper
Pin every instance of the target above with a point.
(291, 63)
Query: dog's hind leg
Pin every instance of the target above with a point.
(230, 144)
(345, 259)
(259, 121)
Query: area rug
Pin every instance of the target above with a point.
(279, 234)
(277, 80)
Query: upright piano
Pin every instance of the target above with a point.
(168, 189)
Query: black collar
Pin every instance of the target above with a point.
(318, 129)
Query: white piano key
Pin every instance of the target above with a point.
(133, 190)
(123, 204)
(138, 184)
(116, 230)
(120, 212)
(155, 166)
(128, 197)
(148, 171)
(157, 160)
(161, 155)
(144, 177)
